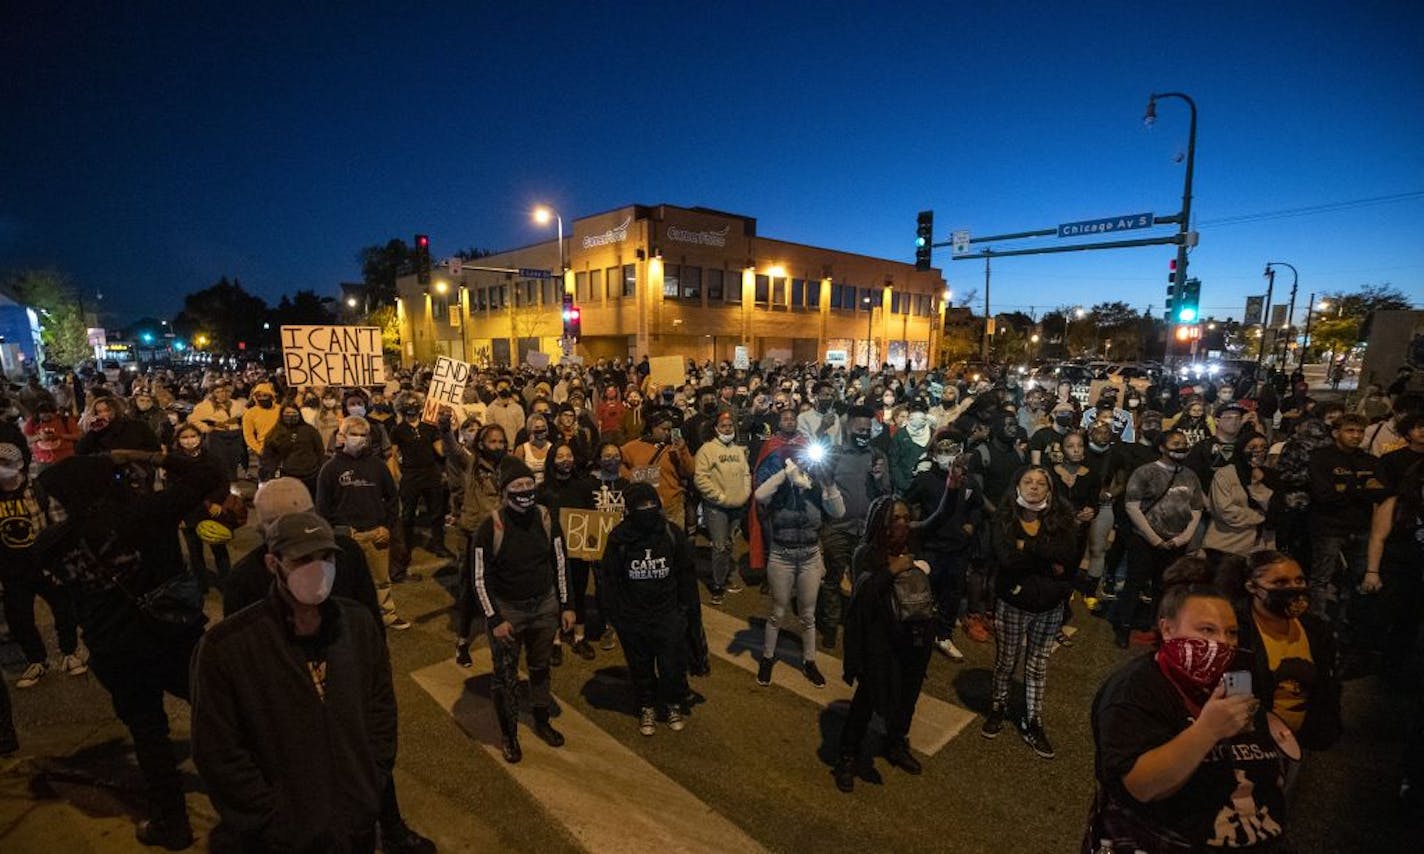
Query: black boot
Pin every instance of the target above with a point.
(436, 544)
(845, 773)
(172, 833)
(897, 753)
(544, 730)
(508, 727)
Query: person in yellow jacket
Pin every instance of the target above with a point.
(259, 419)
(219, 418)
(659, 459)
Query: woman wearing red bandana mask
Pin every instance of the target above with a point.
(1181, 766)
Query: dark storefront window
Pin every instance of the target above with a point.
(714, 286)
(630, 280)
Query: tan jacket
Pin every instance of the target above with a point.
(722, 474)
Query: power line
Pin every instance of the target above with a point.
(1329, 207)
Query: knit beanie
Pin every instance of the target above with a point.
(512, 468)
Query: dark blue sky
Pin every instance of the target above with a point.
(148, 152)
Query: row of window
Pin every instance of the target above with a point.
(686, 282)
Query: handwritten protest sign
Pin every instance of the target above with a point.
(322, 356)
(586, 531)
(447, 388)
(667, 370)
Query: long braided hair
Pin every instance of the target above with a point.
(877, 529)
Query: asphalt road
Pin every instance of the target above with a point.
(751, 770)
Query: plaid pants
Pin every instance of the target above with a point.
(1013, 629)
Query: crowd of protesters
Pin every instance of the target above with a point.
(887, 514)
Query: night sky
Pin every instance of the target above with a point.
(148, 151)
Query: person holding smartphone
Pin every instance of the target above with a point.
(1182, 765)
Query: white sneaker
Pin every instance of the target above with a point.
(31, 676)
(675, 720)
(946, 646)
(73, 665)
(648, 720)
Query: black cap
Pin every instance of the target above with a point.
(638, 494)
(512, 468)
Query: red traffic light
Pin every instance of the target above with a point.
(422, 241)
(1172, 265)
(573, 314)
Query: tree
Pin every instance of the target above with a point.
(1361, 304)
(472, 253)
(1114, 315)
(304, 308)
(381, 265)
(63, 332)
(385, 317)
(1010, 344)
(225, 313)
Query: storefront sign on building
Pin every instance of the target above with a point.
(616, 234)
(710, 237)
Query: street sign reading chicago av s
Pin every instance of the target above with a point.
(528, 273)
(1124, 222)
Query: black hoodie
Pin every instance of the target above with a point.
(649, 574)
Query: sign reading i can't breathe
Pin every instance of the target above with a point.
(324, 356)
(447, 387)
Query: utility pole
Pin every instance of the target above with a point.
(1290, 312)
(988, 316)
(1266, 315)
(1309, 307)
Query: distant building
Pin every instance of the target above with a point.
(663, 280)
(19, 335)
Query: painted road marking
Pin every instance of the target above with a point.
(737, 641)
(608, 797)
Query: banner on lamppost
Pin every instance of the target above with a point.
(1255, 308)
(1278, 317)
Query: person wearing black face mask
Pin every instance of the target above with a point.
(521, 582)
(292, 448)
(652, 598)
(481, 497)
(699, 427)
(566, 485)
(1164, 501)
(421, 453)
(1294, 650)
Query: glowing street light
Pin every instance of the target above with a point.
(441, 287)
(351, 302)
(542, 215)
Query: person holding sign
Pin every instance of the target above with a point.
(652, 592)
(658, 459)
(566, 485)
(219, 418)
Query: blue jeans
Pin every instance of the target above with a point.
(947, 571)
(722, 525)
(789, 573)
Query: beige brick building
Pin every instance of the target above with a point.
(662, 280)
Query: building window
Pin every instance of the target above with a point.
(778, 292)
(763, 289)
(595, 285)
(581, 287)
(614, 283)
(798, 293)
(691, 283)
(734, 286)
(439, 306)
(630, 280)
(548, 288)
(836, 295)
(714, 286)
(865, 302)
(813, 293)
(671, 274)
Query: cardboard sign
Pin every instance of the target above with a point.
(536, 359)
(1095, 390)
(837, 358)
(325, 356)
(741, 360)
(586, 531)
(447, 388)
(667, 370)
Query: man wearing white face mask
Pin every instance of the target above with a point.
(310, 674)
(355, 489)
(724, 478)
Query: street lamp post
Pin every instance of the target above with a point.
(869, 329)
(1305, 345)
(1184, 222)
(1290, 312)
(1068, 319)
(542, 215)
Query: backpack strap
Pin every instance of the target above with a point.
(544, 517)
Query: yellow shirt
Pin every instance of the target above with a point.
(1294, 670)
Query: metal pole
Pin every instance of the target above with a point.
(1266, 315)
(1290, 312)
(1185, 224)
(869, 331)
(988, 316)
(1308, 308)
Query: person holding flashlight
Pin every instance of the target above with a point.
(797, 494)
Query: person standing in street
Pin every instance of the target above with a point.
(521, 582)
(651, 592)
(1344, 487)
(219, 418)
(258, 420)
(294, 714)
(724, 479)
(355, 489)
(422, 460)
(293, 448)
(861, 474)
(1164, 501)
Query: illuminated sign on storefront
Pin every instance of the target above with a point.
(617, 234)
(702, 238)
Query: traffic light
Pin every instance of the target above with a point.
(1189, 305)
(924, 237)
(422, 259)
(573, 318)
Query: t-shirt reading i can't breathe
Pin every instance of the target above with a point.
(1236, 796)
(1171, 493)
